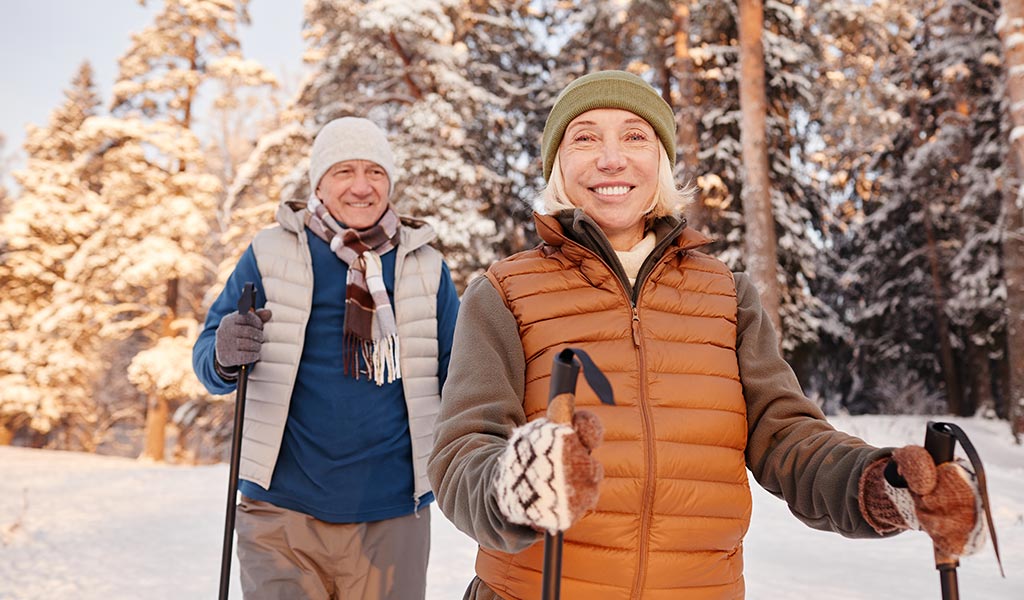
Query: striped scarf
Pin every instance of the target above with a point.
(371, 334)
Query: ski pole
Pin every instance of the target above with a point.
(561, 406)
(940, 441)
(941, 445)
(246, 303)
(564, 372)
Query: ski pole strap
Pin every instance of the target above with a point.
(939, 434)
(594, 376)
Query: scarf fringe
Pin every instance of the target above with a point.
(379, 356)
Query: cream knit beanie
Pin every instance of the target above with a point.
(350, 138)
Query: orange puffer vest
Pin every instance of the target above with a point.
(675, 503)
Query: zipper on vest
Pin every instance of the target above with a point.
(649, 467)
(645, 416)
(636, 328)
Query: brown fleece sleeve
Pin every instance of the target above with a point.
(482, 402)
(792, 450)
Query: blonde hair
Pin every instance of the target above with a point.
(668, 199)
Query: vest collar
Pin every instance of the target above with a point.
(577, 236)
(556, 229)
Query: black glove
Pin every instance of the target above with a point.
(239, 337)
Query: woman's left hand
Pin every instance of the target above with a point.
(942, 500)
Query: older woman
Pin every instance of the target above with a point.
(701, 390)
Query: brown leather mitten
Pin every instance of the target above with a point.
(942, 500)
(547, 478)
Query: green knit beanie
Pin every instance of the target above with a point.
(608, 89)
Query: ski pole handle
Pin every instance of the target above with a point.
(564, 373)
(247, 301)
(561, 395)
(941, 444)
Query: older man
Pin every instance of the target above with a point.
(350, 340)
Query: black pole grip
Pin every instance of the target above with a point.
(247, 301)
(939, 442)
(564, 373)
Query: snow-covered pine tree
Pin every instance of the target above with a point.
(717, 174)
(857, 112)
(796, 204)
(972, 71)
(144, 268)
(46, 365)
(591, 36)
(55, 142)
(850, 126)
(924, 275)
(507, 141)
(419, 69)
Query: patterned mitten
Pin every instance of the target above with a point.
(547, 478)
(942, 500)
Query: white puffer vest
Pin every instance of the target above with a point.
(284, 262)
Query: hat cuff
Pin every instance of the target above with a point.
(608, 89)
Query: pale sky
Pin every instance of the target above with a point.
(42, 43)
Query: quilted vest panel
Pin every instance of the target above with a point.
(675, 502)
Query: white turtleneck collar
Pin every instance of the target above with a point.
(633, 258)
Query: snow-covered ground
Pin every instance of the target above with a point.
(88, 527)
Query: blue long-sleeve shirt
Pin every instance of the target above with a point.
(346, 456)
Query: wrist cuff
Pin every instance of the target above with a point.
(228, 374)
(876, 505)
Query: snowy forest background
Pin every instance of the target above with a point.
(865, 169)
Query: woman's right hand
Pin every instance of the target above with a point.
(547, 477)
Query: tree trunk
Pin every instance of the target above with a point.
(1010, 28)
(6, 434)
(157, 407)
(761, 253)
(981, 400)
(1013, 268)
(171, 302)
(687, 143)
(954, 394)
(156, 427)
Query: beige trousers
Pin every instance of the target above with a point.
(288, 555)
